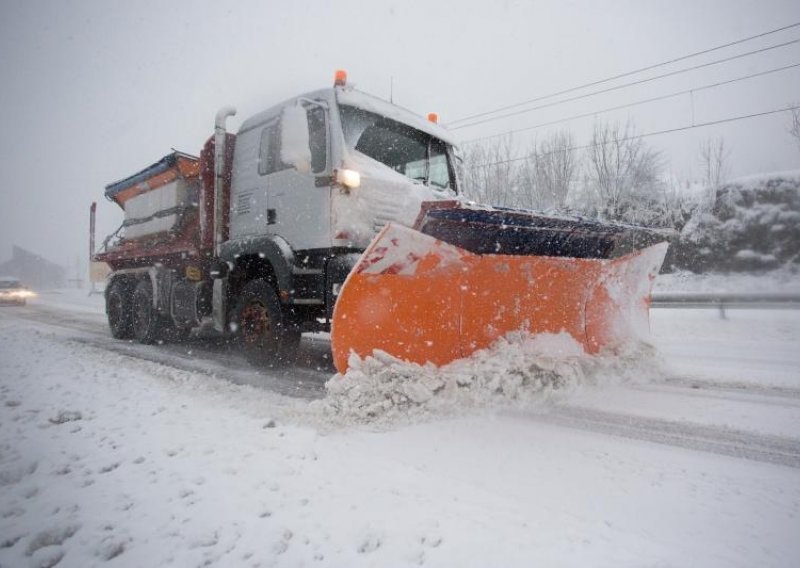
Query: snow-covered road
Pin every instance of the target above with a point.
(88, 326)
(117, 454)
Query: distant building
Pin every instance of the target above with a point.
(33, 270)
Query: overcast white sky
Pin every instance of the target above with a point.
(93, 91)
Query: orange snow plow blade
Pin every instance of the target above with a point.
(422, 299)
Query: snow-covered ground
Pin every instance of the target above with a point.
(688, 454)
(72, 299)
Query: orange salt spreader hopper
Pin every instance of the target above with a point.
(466, 276)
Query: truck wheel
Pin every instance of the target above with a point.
(118, 308)
(147, 325)
(265, 331)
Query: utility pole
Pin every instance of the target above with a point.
(92, 214)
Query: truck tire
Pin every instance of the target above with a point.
(118, 308)
(147, 325)
(265, 331)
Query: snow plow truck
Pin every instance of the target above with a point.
(338, 211)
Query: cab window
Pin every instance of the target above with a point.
(269, 155)
(318, 139)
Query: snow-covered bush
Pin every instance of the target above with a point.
(752, 224)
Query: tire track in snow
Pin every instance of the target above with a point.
(717, 440)
(739, 387)
(298, 382)
(306, 379)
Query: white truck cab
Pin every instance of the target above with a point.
(313, 180)
(328, 169)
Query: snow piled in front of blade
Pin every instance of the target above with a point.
(519, 369)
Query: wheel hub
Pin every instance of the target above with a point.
(255, 322)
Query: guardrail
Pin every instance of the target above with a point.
(725, 300)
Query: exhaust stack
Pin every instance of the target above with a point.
(219, 171)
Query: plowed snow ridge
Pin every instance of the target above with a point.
(519, 369)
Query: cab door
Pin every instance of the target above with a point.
(298, 195)
(249, 187)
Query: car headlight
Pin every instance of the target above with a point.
(22, 294)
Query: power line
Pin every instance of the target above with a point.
(636, 103)
(624, 85)
(627, 74)
(646, 135)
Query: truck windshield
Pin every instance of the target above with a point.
(406, 150)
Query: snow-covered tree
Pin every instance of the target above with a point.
(752, 224)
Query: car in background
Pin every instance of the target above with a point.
(13, 292)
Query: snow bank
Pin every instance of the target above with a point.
(752, 224)
(784, 279)
(519, 369)
(756, 179)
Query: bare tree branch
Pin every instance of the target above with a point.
(547, 172)
(555, 168)
(794, 129)
(622, 171)
(490, 173)
(714, 159)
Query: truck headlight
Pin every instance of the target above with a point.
(348, 178)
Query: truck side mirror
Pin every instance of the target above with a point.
(295, 148)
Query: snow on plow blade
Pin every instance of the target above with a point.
(469, 276)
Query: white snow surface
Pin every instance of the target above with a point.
(399, 250)
(530, 453)
(73, 299)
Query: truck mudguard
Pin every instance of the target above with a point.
(271, 248)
